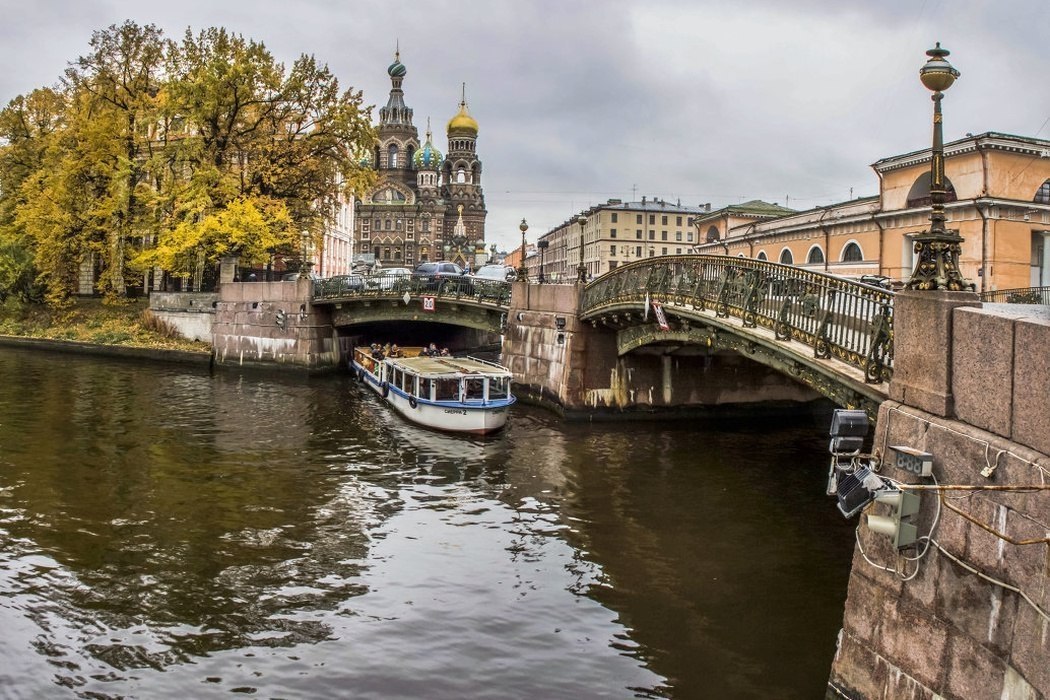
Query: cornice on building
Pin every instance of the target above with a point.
(988, 141)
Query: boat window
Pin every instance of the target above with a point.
(475, 388)
(425, 385)
(497, 388)
(408, 383)
(446, 390)
(397, 376)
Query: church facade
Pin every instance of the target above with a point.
(424, 206)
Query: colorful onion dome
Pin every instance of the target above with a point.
(397, 68)
(427, 157)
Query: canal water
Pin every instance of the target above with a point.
(166, 532)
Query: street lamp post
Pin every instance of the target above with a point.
(581, 269)
(542, 245)
(523, 272)
(307, 252)
(937, 250)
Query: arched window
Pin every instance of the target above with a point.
(461, 176)
(1042, 195)
(816, 255)
(762, 255)
(852, 253)
(712, 234)
(786, 257)
(919, 195)
(409, 152)
(392, 156)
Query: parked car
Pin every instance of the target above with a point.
(293, 276)
(340, 285)
(444, 277)
(389, 278)
(503, 273)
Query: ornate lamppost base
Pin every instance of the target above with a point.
(937, 263)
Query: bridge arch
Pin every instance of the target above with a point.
(832, 334)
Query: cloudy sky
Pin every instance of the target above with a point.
(580, 101)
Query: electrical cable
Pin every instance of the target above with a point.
(1044, 473)
(991, 579)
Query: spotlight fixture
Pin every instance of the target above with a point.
(848, 430)
(856, 490)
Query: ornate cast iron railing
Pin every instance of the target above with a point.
(461, 287)
(1026, 295)
(838, 318)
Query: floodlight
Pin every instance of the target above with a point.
(856, 490)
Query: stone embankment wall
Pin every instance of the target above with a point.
(574, 368)
(191, 313)
(272, 323)
(967, 614)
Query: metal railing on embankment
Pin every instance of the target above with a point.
(839, 318)
(1024, 295)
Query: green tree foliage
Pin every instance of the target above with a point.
(153, 153)
(27, 130)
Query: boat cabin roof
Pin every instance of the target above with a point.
(448, 367)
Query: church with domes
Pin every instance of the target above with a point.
(424, 206)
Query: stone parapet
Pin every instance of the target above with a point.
(1001, 371)
(922, 345)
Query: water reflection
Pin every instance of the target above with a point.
(168, 532)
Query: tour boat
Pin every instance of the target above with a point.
(454, 394)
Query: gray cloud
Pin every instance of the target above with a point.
(582, 101)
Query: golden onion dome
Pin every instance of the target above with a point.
(462, 124)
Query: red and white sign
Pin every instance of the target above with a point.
(428, 303)
(661, 320)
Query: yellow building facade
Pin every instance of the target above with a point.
(998, 201)
(613, 234)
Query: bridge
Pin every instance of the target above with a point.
(463, 301)
(831, 334)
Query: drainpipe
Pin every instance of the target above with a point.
(984, 216)
(984, 245)
(882, 235)
(827, 238)
(725, 240)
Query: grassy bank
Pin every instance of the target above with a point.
(91, 321)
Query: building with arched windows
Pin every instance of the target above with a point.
(998, 200)
(424, 206)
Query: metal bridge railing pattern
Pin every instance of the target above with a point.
(837, 317)
(462, 288)
(1024, 295)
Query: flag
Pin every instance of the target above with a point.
(658, 309)
(645, 317)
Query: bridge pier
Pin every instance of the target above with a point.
(268, 324)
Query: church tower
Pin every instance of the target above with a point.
(398, 138)
(428, 162)
(462, 185)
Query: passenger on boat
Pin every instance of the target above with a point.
(395, 351)
(444, 352)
